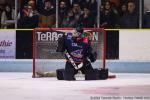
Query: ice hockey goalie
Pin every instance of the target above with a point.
(78, 52)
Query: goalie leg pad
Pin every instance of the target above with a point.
(70, 71)
(92, 74)
(60, 74)
(86, 67)
(69, 74)
(103, 74)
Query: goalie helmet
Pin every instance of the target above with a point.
(79, 30)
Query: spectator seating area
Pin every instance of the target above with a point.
(71, 13)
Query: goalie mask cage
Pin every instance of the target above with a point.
(45, 57)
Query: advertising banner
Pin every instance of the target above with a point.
(46, 43)
(7, 44)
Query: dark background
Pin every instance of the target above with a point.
(24, 44)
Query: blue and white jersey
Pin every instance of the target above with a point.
(77, 50)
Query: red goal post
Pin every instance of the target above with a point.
(45, 42)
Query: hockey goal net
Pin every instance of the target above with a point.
(45, 57)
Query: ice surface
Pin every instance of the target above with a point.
(21, 86)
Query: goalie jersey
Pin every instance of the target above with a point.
(76, 48)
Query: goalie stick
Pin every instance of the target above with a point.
(72, 61)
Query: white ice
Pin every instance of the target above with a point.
(21, 86)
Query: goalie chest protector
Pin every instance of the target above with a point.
(77, 50)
